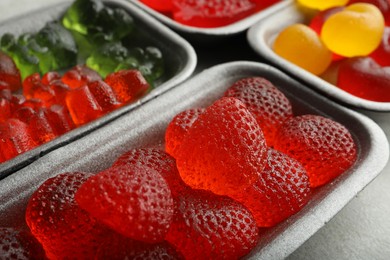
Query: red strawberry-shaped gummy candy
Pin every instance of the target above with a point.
(178, 128)
(209, 226)
(157, 160)
(117, 247)
(212, 13)
(281, 191)
(364, 78)
(324, 147)
(134, 201)
(16, 244)
(65, 230)
(268, 104)
(224, 150)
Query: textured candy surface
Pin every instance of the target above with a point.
(324, 147)
(214, 13)
(127, 84)
(65, 230)
(208, 226)
(117, 247)
(355, 31)
(224, 150)
(281, 191)
(364, 78)
(178, 129)
(268, 104)
(128, 199)
(20, 245)
(157, 160)
(294, 44)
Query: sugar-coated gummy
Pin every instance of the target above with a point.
(268, 104)
(208, 226)
(20, 245)
(281, 191)
(128, 199)
(178, 129)
(224, 150)
(157, 160)
(323, 146)
(60, 225)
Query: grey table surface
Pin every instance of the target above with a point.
(359, 231)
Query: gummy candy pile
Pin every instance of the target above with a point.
(53, 105)
(243, 163)
(346, 43)
(37, 103)
(208, 14)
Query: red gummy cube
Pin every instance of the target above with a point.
(50, 76)
(127, 84)
(65, 230)
(281, 191)
(82, 105)
(48, 123)
(79, 76)
(268, 104)
(224, 150)
(9, 73)
(208, 226)
(364, 78)
(104, 95)
(157, 160)
(178, 129)
(34, 88)
(324, 147)
(134, 201)
(17, 244)
(15, 138)
(120, 247)
(5, 109)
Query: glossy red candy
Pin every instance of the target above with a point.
(157, 160)
(82, 105)
(15, 138)
(117, 247)
(281, 191)
(224, 150)
(178, 129)
(212, 13)
(104, 95)
(17, 244)
(50, 76)
(159, 5)
(9, 73)
(134, 201)
(268, 104)
(34, 88)
(382, 54)
(79, 76)
(208, 226)
(383, 5)
(5, 109)
(127, 84)
(65, 230)
(324, 147)
(364, 78)
(48, 123)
